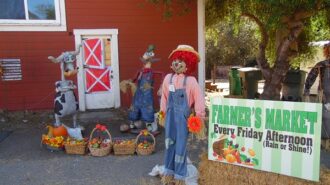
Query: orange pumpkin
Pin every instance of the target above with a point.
(60, 131)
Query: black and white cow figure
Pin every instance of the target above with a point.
(65, 102)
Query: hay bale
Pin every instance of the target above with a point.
(214, 173)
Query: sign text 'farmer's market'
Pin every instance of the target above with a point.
(267, 135)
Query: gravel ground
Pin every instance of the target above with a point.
(23, 161)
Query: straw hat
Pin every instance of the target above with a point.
(187, 54)
(185, 48)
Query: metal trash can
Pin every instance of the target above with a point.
(250, 77)
(293, 85)
(235, 87)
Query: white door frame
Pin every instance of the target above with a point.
(201, 43)
(79, 33)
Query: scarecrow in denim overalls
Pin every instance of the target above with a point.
(142, 108)
(322, 69)
(180, 93)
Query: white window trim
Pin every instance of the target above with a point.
(38, 25)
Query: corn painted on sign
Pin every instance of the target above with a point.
(274, 136)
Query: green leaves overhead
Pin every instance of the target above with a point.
(274, 15)
(173, 7)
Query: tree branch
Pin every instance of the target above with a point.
(282, 53)
(261, 58)
(303, 14)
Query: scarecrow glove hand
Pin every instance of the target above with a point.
(161, 118)
(201, 135)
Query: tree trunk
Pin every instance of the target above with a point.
(273, 86)
(285, 49)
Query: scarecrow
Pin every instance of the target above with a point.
(142, 108)
(322, 69)
(180, 93)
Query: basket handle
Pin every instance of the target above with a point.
(107, 131)
(148, 133)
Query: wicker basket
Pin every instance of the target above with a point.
(148, 150)
(219, 145)
(99, 152)
(79, 149)
(48, 146)
(124, 149)
(53, 149)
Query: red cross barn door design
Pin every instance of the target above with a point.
(99, 76)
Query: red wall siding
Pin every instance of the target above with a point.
(138, 24)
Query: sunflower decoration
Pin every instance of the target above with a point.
(196, 126)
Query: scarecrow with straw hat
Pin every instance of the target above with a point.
(180, 93)
(323, 69)
(142, 108)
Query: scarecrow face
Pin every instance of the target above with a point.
(179, 66)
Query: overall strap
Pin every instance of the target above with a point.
(171, 79)
(184, 81)
(149, 74)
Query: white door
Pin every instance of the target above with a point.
(98, 77)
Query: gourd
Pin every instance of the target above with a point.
(50, 131)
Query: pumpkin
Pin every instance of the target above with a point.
(60, 131)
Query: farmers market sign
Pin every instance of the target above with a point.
(275, 136)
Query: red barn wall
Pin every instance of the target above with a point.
(138, 24)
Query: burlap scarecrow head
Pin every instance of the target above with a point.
(149, 55)
(184, 59)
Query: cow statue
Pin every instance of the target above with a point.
(65, 102)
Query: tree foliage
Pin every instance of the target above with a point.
(275, 16)
(286, 27)
(229, 45)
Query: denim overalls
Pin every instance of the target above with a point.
(176, 132)
(326, 99)
(142, 107)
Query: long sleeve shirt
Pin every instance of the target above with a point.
(194, 94)
(312, 75)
